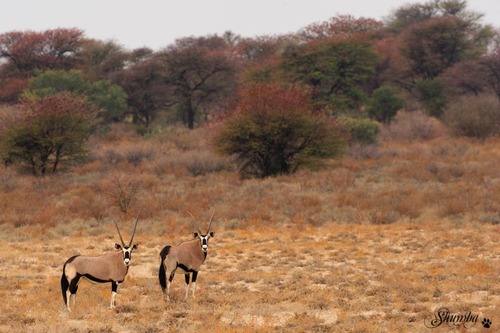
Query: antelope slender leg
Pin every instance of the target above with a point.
(164, 293)
(186, 277)
(74, 294)
(114, 291)
(68, 299)
(113, 296)
(71, 291)
(193, 282)
(169, 281)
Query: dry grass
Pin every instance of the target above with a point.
(375, 243)
(337, 277)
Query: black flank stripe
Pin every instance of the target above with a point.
(94, 279)
(183, 267)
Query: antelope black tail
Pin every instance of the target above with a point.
(161, 273)
(64, 285)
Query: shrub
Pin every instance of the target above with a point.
(414, 125)
(202, 162)
(122, 190)
(474, 116)
(384, 105)
(47, 132)
(431, 95)
(109, 98)
(360, 130)
(138, 155)
(274, 131)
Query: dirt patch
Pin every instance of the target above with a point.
(331, 278)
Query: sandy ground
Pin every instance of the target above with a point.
(331, 278)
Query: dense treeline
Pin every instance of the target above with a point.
(356, 72)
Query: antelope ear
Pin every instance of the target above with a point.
(195, 234)
(118, 246)
(136, 245)
(212, 233)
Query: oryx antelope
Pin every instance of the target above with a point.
(108, 267)
(187, 257)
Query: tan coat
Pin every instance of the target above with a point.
(189, 255)
(106, 267)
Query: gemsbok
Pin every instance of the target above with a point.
(187, 257)
(108, 267)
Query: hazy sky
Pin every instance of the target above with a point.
(157, 23)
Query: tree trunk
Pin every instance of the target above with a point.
(190, 120)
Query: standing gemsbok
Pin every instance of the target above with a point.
(108, 267)
(187, 257)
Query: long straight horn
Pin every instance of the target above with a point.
(194, 222)
(210, 223)
(133, 232)
(119, 233)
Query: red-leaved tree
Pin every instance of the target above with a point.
(475, 76)
(340, 26)
(47, 132)
(24, 52)
(275, 131)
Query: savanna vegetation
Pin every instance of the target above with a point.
(352, 167)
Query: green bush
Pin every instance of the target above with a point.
(109, 98)
(360, 130)
(384, 105)
(431, 95)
